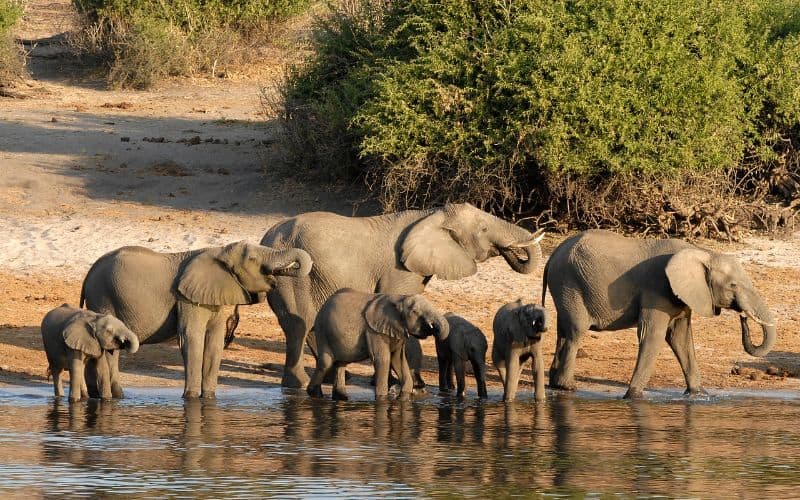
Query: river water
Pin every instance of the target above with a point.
(267, 442)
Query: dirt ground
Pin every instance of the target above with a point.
(196, 163)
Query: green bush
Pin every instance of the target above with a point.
(147, 40)
(12, 64)
(506, 104)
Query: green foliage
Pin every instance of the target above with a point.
(147, 40)
(12, 64)
(497, 101)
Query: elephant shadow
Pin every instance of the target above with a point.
(26, 338)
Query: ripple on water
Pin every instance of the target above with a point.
(252, 442)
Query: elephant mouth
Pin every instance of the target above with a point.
(427, 329)
(122, 343)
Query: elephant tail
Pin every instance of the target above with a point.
(83, 294)
(544, 281)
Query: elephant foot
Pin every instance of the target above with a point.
(444, 389)
(191, 395)
(74, 400)
(208, 395)
(339, 396)
(315, 391)
(116, 391)
(404, 396)
(563, 386)
(634, 393)
(697, 392)
(418, 382)
(294, 379)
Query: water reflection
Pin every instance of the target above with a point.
(266, 442)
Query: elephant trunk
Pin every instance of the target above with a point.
(517, 239)
(756, 310)
(533, 255)
(442, 327)
(291, 262)
(480, 378)
(130, 342)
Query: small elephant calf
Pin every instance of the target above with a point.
(76, 338)
(354, 326)
(466, 342)
(518, 329)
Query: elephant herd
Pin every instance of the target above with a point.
(350, 288)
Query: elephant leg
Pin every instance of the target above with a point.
(295, 322)
(91, 386)
(513, 370)
(461, 384)
(340, 383)
(112, 359)
(500, 364)
(442, 361)
(192, 322)
(538, 372)
(212, 354)
(679, 338)
(381, 361)
(400, 366)
(324, 365)
(479, 370)
(569, 335)
(102, 377)
(555, 365)
(652, 332)
(76, 382)
(58, 386)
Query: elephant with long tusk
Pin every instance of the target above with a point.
(396, 253)
(603, 281)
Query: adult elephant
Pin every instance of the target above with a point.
(603, 281)
(161, 295)
(396, 253)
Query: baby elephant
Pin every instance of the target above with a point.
(518, 331)
(354, 326)
(466, 342)
(76, 338)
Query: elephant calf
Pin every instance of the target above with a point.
(354, 326)
(518, 329)
(76, 338)
(466, 342)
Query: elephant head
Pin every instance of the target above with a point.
(399, 316)
(528, 323)
(93, 333)
(451, 240)
(238, 273)
(708, 282)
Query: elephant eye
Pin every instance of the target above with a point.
(484, 229)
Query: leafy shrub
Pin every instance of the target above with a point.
(12, 64)
(147, 40)
(511, 105)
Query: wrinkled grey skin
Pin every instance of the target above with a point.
(518, 329)
(75, 340)
(466, 343)
(354, 326)
(603, 281)
(161, 295)
(394, 253)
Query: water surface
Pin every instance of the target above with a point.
(270, 442)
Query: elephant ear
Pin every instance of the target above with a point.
(429, 249)
(79, 335)
(517, 326)
(687, 272)
(383, 315)
(206, 280)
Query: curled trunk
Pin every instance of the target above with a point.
(131, 343)
(526, 265)
(442, 327)
(752, 305)
(766, 344)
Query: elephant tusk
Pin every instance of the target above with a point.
(533, 241)
(754, 318)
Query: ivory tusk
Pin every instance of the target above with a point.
(754, 318)
(537, 237)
